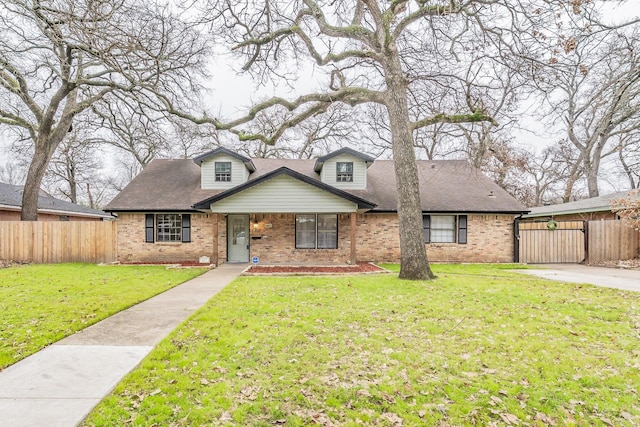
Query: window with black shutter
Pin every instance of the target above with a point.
(186, 228)
(426, 227)
(462, 229)
(149, 229)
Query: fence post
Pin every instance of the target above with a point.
(585, 226)
(516, 240)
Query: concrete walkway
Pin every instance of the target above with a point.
(60, 385)
(600, 276)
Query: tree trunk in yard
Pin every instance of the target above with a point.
(37, 169)
(414, 264)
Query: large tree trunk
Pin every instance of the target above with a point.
(37, 169)
(414, 264)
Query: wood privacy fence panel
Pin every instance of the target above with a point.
(539, 245)
(611, 240)
(45, 242)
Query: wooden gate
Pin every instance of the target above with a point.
(551, 242)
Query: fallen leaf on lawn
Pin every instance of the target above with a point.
(627, 416)
(547, 420)
(393, 418)
(363, 392)
(154, 392)
(204, 381)
(510, 419)
(607, 421)
(279, 422)
(422, 413)
(226, 416)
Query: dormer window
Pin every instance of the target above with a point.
(223, 171)
(344, 171)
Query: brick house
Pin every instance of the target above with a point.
(338, 208)
(49, 208)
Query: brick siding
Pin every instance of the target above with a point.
(133, 248)
(490, 239)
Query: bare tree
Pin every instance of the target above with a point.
(58, 58)
(394, 54)
(594, 91)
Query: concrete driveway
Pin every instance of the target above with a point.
(600, 276)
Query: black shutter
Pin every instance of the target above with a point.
(149, 228)
(426, 227)
(462, 229)
(186, 228)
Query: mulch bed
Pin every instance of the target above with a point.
(179, 263)
(363, 267)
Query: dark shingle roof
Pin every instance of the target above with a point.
(593, 204)
(11, 196)
(163, 185)
(445, 186)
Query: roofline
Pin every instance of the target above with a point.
(15, 208)
(455, 212)
(247, 161)
(283, 170)
(190, 210)
(344, 150)
(569, 212)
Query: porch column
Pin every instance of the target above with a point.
(216, 236)
(354, 260)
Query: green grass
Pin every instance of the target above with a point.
(41, 304)
(478, 346)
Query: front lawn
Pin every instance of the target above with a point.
(41, 304)
(479, 346)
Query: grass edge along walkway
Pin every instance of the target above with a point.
(43, 303)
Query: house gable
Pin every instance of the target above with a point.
(345, 169)
(237, 166)
(284, 190)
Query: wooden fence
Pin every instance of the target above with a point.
(576, 241)
(610, 240)
(45, 242)
(540, 245)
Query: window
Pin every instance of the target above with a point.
(167, 228)
(445, 228)
(344, 171)
(223, 171)
(316, 231)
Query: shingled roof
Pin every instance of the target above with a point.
(11, 199)
(445, 186)
(593, 204)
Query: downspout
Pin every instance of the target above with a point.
(516, 239)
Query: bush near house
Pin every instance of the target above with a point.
(481, 345)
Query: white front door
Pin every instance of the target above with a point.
(238, 238)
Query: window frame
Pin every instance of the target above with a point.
(344, 176)
(460, 226)
(317, 232)
(180, 225)
(171, 224)
(222, 175)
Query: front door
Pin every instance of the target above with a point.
(238, 238)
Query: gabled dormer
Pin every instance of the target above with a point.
(222, 168)
(345, 169)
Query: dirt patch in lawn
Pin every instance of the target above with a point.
(362, 267)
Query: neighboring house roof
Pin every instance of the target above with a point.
(345, 150)
(445, 186)
(221, 150)
(11, 199)
(593, 204)
(362, 204)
